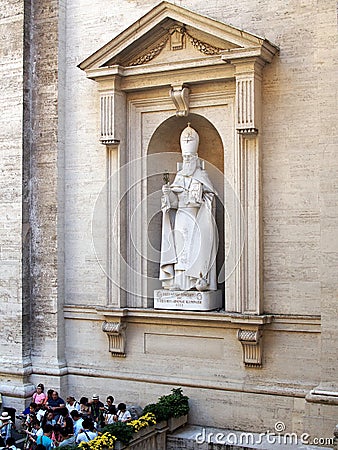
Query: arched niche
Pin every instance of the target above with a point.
(166, 142)
(166, 138)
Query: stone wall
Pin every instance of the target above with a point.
(60, 165)
(12, 308)
(29, 197)
(44, 154)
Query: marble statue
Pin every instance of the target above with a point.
(189, 233)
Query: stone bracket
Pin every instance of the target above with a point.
(116, 332)
(180, 96)
(252, 346)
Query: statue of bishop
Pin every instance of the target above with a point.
(189, 232)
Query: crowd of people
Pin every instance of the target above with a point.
(50, 422)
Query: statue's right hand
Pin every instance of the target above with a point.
(166, 189)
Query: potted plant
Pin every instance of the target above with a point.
(121, 431)
(143, 425)
(125, 432)
(173, 407)
(161, 412)
(101, 442)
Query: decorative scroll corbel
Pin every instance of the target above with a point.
(116, 337)
(252, 347)
(180, 96)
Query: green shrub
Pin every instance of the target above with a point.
(120, 430)
(172, 405)
(162, 412)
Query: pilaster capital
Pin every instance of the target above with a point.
(112, 111)
(248, 75)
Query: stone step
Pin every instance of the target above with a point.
(193, 437)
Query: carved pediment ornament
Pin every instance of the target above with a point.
(177, 36)
(151, 54)
(205, 48)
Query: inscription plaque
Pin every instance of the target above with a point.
(187, 300)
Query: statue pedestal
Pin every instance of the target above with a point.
(187, 300)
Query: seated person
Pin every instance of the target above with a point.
(33, 433)
(40, 414)
(48, 418)
(10, 444)
(56, 434)
(39, 397)
(88, 431)
(123, 415)
(67, 438)
(97, 410)
(46, 438)
(110, 411)
(31, 409)
(109, 406)
(65, 421)
(49, 395)
(31, 416)
(55, 403)
(6, 426)
(77, 421)
(84, 407)
(72, 404)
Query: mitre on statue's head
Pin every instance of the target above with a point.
(189, 141)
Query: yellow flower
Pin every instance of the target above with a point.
(142, 422)
(102, 440)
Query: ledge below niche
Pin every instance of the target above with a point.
(218, 318)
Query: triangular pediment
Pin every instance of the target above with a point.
(169, 33)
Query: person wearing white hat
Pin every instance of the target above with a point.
(97, 410)
(5, 428)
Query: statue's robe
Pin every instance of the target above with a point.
(189, 233)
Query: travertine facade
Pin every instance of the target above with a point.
(63, 321)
